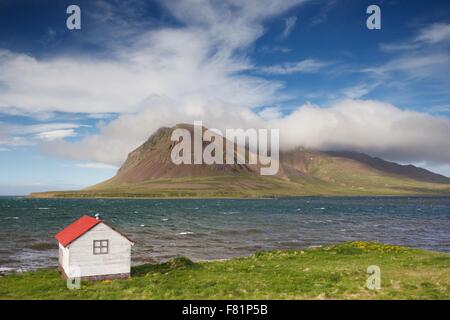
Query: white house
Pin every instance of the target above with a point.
(92, 250)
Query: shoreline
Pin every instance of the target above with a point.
(11, 271)
(422, 195)
(330, 272)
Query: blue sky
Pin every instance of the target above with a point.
(74, 103)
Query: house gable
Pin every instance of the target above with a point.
(115, 261)
(76, 230)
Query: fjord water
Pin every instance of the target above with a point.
(214, 229)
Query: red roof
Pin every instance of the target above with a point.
(76, 230)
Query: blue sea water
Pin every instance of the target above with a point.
(213, 229)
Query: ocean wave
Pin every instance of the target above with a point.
(239, 231)
(43, 246)
(6, 270)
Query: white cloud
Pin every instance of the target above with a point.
(373, 127)
(358, 91)
(56, 134)
(166, 75)
(128, 131)
(391, 47)
(304, 66)
(160, 63)
(26, 135)
(275, 49)
(421, 62)
(415, 65)
(435, 33)
(271, 113)
(15, 142)
(289, 25)
(324, 11)
(40, 128)
(431, 35)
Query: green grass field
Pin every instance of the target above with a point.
(331, 272)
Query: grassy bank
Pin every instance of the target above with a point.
(332, 272)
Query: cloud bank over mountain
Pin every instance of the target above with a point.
(372, 127)
(199, 69)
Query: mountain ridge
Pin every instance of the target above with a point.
(149, 172)
(162, 137)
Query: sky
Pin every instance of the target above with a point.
(74, 103)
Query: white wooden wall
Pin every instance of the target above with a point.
(64, 257)
(118, 259)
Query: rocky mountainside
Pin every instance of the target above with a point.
(152, 161)
(149, 172)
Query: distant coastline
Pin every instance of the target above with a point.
(255, 194)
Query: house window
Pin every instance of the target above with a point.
(101, 246)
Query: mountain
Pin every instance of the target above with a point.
(149, 172)
(152, 161)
